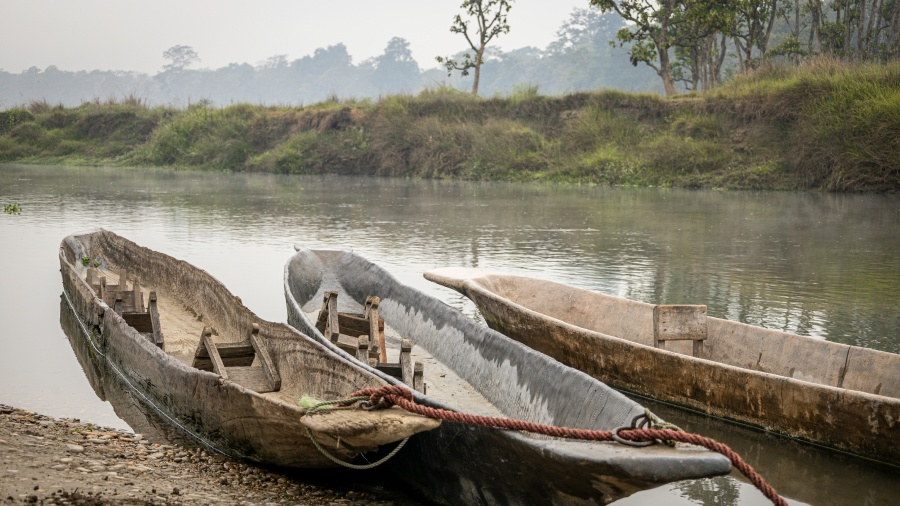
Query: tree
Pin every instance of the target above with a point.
(657, 27)
(753, 28)
(396, 70)
(490, 17)
(180, 57)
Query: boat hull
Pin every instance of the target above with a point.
(859, 422)
(476, 465)
(218, 413)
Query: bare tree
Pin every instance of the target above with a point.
(490, 18)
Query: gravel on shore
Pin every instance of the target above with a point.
(46, 460)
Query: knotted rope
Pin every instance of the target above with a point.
(393, 395)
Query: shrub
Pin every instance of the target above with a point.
(10, 118)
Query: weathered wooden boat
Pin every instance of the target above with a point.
(470, 368)
(843, 397)
(198, 357)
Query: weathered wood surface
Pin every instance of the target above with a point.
(493, 375)
(348, 428)
(158, 338)
(679, 323)
(268, 367)
(223, 413)
(828, 393)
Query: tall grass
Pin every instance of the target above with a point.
(827, 124)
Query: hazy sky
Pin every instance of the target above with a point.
(132, 34)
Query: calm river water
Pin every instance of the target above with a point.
(826, 266)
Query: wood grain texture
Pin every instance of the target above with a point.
(264, 428)
(490, 374)
(784, 383)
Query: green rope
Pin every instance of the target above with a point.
(314, 406)
(361, 467)
(657, 423)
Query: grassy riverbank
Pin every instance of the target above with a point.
(826, 125)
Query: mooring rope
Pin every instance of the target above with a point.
(394, 395)
(350, 465)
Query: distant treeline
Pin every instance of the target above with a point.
(580, 59)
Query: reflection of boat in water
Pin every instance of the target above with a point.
(211, 367)
(468, 367)
(111, 388)
(832, 394)
(799, 471)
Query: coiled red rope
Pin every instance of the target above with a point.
(394, 395)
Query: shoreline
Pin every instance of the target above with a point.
(49, 460)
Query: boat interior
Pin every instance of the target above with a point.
(687, 329)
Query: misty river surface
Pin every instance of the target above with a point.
(821, 265)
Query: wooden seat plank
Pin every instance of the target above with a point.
(152, 308)
(265, 360)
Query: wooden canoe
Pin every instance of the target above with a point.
(831, 394)
(247, 407)
(471, 368)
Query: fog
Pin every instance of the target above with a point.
(132, 35)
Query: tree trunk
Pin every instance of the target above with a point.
(720, 59)
(738, 49)
(665, 72)
(815, 28)
(871, 30)
(797, 25)
(662, 48)
(478, 56)
(860, 30)
(764, 41)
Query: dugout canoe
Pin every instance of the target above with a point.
(843, 397)
(194, 354)
(470, 368)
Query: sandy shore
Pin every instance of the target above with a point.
(46, 460)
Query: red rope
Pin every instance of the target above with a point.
(390, 395)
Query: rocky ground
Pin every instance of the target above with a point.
(45, 460)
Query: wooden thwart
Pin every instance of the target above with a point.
(234, 361)
(681, 322)
(362, 335)
(129, 303)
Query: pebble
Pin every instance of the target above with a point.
(89, 461)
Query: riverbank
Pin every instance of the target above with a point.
(46, 460)
(826, 125)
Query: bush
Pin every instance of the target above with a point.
(10, 118)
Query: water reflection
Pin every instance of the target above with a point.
(801, 472)
(145, 421)
(816, 264)
(111, 388)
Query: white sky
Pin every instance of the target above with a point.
(132, 34)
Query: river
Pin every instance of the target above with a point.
(821, 265)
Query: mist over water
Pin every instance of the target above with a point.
(820, 265)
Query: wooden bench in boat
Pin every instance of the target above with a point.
(680, 322)
(340, 328)
(129, 303)
(234, 361)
